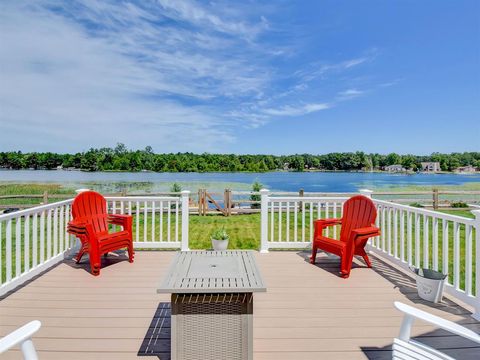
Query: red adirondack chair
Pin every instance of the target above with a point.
(357, 226)
(90, 225)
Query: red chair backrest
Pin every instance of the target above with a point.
(91, 207)
(358, 212)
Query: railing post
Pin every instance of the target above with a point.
(476, 213)
(366, 192)
(185, 194)
(435, 199)
(264, 220)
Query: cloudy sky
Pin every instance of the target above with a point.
(240, 76)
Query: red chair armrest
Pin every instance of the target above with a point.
(321, 224)
(117, 219)
(80, 229)
(366, 231)
(327, 222)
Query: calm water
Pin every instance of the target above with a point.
(280, 181)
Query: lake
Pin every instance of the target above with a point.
(279, 181)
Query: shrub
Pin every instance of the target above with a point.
(256, 186)
(459, 204)
(417, 205)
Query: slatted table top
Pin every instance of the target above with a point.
(213, 272)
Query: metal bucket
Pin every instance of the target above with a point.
(430, 284)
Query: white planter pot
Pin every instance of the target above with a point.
(219, 245)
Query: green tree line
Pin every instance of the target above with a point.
(122, 159)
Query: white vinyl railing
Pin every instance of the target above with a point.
(158, 221)
(31, 241)
(410, 236)
(432, 240)
(287, 221)
(36, 239)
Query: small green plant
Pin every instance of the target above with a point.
(220, 234)
(175, 188)
(459, 204)
(417, 205)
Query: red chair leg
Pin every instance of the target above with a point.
(131, 253)
(314, 254)
(367, 260)
(346, 263)
(79, 256)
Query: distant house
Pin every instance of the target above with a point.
(394, 168)
(465, 169)
(431, 166)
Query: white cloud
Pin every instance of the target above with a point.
(296, 110)
(350, 94)
(95, 74)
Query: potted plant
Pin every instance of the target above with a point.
(220, 239)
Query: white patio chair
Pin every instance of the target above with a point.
(22, 336)
(405, 348)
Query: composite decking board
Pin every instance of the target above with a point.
(312, 329)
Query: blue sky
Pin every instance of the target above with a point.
(275, 77)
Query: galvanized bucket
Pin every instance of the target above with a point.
(430, 284)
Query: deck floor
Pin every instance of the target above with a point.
(308, 311)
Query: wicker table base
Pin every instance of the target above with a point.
(212, 326)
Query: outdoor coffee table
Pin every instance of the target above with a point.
(212, 304)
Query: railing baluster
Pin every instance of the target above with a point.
(26, 240)
(153, 221)
(35, 240)
(445, 247)
(18, 246)
(161, 221)
(145, 220)
(402, 235)
(280, 221)
(389, 231)
(417, 240)
(311, 221)
(49, 234)
(62, 229)
(287, 226)
(468, 260)
(303, 221)
(384, 235)
(169, 204)
(395, 233)
(409, 238)
(8, 251)
(177, 205)
(426, 242)
(456, 255)
(137, 221)
(272, 219)
(295, 222)
(55, 231)
(435, 244)
(335, 216)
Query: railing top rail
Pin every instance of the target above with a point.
(33, 210)
(431, 213)
(307, 198)
(143, 198)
